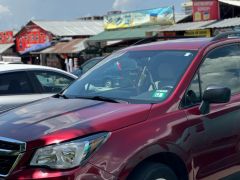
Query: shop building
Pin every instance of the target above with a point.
(209, 17)
(7, 45)
(226, 8)
(187, 7)
(37, 36)
(64, 53)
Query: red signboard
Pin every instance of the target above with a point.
(31, 35)
(204, 10)
(6, 37)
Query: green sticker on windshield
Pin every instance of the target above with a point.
(160, 94)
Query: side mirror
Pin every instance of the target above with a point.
(214, 95)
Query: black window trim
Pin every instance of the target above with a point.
(200, 91)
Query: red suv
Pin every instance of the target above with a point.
(174, 114)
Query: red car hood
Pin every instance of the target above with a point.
(54, 120)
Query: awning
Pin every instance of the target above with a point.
(71, 47)
(231, 22)
(189, 26)
(4, 47)
(36, 47)
(231, 2)
(124, 34)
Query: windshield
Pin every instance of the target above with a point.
(134, 76)
(89, 64)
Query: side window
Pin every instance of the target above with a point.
(221, 67)
(15, 83)
(52, 82)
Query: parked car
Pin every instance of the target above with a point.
(175, 117)
(20, 84)
(87, 65)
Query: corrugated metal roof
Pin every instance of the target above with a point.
(124, 34)
(72, 28)
(73, 46)
(4, 47)
(189, 26)
(231, 2)
(226, 23)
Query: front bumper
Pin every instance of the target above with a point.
(87, 172)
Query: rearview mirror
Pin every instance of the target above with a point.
(214, 95)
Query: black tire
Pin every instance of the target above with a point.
(153, 171)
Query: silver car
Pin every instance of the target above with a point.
(21, 84)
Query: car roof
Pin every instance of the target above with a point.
(18, 67)
(177, 44)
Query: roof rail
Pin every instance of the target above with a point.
(226, 35)
(156, 37)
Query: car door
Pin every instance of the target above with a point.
(215, 136)
(50, 82)
(15, 88)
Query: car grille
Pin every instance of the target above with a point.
(9, 146)
(10, 153)
(6, 164)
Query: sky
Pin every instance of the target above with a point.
(16, 13)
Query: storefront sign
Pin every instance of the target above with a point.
(161, 16)
(204, 10)
(6, 37)
(199, 33)
(30, 37)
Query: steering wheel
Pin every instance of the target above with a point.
(144, 76)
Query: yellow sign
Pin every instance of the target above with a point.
(199, 33)
(161, 16)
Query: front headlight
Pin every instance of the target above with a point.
(69, 154)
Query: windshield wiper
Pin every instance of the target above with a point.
(101, 98)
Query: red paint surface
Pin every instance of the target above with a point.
(31, 35)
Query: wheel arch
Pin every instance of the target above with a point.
(169, 155)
